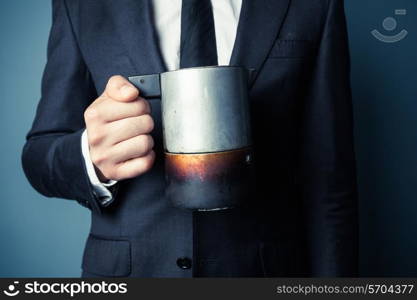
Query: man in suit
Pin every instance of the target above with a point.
(95, 140)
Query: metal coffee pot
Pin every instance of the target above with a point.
(206, 134)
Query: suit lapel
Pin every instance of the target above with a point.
(259, 25)
(134, 23)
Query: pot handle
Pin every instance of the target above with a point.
(149, 85)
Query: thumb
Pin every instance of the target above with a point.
(120, 89)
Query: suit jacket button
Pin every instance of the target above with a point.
(184, 263)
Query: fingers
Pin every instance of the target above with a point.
(130, 168)
(118, 124)
(110, 110)
(135, 147)
(110, 134)
(134, 167)
(120, 89)
(125, 129)
(125, 155)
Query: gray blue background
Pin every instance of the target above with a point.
(41, 237)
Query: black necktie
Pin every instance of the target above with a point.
(198, 39)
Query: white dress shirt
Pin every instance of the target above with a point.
(167, 21)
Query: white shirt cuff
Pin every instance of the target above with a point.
(100, 189)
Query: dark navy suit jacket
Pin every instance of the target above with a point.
(302, 219)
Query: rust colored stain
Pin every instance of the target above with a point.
(205, 165)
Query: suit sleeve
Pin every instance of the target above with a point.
(52, 156)
(326, 169)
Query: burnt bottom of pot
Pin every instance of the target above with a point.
(209, 181)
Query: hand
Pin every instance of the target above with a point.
(118, 127)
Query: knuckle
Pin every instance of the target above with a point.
(146, 142)
(114, 80)
(147, 106)
(142, 106)
(112, 85)
(148, 161)
(91, 114)
(147, 122)
(95, 137)
(150, 142)
(98, 159)
(111, 172)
